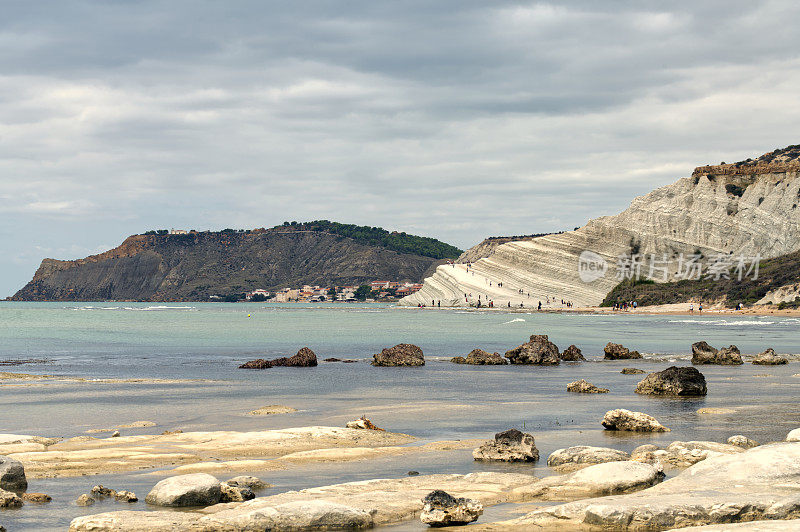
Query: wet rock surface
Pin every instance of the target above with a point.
(703, 353)
(304, 358)
(399, 355)
(632, 371)
(572, 354)
(538, 350)
(508, 446)
(479, 357)
(614, 351)
(769, 358)
(675, 381)
(583, 386)
(621, 419)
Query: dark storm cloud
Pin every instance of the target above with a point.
(455, 119)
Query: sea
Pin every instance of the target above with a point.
(196, 348)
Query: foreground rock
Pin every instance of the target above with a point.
(224, 451)
(508, 446)
(583, 386)
(769, 358)
(9, 499)
(761, 483)
(12, 475)
(354, 505)
(595, 480)
(442, 509)
(572, 354)
(682, 454)
(538, 350)
(742, 441)
(399, 355)
(198, 489)
(618, 352)
(621, 419)
(305, 358)
(582, 455)
(674, 381)
(479, 357)
(362, 423)
(702, 353)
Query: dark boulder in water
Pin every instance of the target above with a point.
(305, 358)
(674, 381)
(538, 351)
(399, 355)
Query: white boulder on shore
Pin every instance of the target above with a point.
(197, 489)
(621, 419)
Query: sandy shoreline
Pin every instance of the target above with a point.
(673, 309)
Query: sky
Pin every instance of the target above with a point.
(451, 119)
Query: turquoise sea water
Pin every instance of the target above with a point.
(438, 401)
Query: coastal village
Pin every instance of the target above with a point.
(376, 290)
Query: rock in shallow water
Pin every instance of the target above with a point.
(12, 475)
(84, 500)
(479, 357)
(198, 489)
(538, 350)
(304, 358)
(621, 419)
(632, 371)
(702, 353)
(508, 446)
(674, 381)
(399, 355)
(229, 493)
(442, 509)
(38, 498)
(583, 386)
(572, 354)
(618, 352)
(769, 358)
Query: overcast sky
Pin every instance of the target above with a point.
(452, 119)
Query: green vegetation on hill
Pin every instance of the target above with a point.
(773, 273)
(371, 236)
(377, 236)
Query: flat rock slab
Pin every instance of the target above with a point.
(791, 525)
(582, 456)
(762, 483)
(86, 455)
(338, 506)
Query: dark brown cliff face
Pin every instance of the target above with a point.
(195, 266)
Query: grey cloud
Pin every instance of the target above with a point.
(455, 119)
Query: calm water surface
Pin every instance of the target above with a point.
(438, 401)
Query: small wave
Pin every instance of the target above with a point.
(725, 323)
(513, 321)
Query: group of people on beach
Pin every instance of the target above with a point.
(626, 305)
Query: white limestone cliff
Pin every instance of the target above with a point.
(744, 209)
